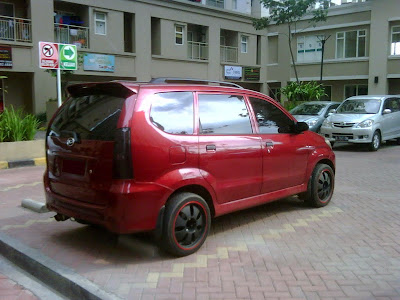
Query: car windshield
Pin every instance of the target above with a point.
(360, 106)
(310, 109)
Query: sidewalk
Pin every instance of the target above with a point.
(10, 290)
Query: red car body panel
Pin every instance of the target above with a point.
(240, 172)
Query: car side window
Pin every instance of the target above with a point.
(223, 114)
(269, 117)
(172, 112)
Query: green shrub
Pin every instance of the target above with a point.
(309, 91)
(16, 126)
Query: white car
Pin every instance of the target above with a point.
(366, 120)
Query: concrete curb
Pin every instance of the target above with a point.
(40, 161)
(50, 272)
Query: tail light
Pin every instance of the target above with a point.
(122, 159)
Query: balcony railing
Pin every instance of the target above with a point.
(197, 50)
(15, 29)
(229, 54)
(71, 34)
(216, 3)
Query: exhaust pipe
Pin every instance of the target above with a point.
(60, 217)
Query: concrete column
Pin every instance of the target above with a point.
(378, 45)
(143, 44)
(214, 58)
(43, 84)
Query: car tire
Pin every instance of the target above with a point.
(187, 222)
(320, 187)
(398, 141)
(376, 141)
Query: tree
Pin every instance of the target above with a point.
(290, 12)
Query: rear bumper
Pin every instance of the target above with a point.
(131, 207)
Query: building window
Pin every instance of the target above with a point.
(309, 48)
(234, 4)
(100, 22)
(179, 34)
(355, 90)
(395, 48)
(351, 44)
(243, 43)
(328, 93)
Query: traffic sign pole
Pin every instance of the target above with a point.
(59, 96)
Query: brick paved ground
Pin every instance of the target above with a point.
(10, 290)
(283, 250)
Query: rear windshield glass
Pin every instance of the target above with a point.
(91, 117)
(308, 109)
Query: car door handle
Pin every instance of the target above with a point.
(269, 144)
(211, 147)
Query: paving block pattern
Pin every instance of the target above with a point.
(282, 250)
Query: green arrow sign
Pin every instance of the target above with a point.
(68, 57)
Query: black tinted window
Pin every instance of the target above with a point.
(173, 112)
(270, 118)
(91, 117)
(223, 114)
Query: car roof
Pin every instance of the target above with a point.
(372, 97)
(321, 102)
(135, 86)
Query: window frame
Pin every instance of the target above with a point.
(254, 117)
(357, 85)
(178, 32)
(244, 43)
(359, 36)
(391, 40)
(254, 129)
(96, 20)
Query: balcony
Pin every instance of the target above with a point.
(229, 54)
(15, 29)
(197, 50)
(71, 34)
(216, 3)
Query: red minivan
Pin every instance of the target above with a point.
(169, 155)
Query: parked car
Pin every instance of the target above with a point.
(313, 113)
(169, 155)
(366, 120)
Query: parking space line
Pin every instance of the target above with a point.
(20, 186)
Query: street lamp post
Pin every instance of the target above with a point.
(323, 41)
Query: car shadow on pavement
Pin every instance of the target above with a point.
(361, 147)
(102, 247)
(257, 213)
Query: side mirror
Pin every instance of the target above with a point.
(332, 111)
(387, 111)
(299, 127)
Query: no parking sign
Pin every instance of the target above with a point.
(58, 56)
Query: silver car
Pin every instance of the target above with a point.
(313, 113)
(366, 120)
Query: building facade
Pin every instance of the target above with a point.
(206, 39)
(128, 40)
(361, 50)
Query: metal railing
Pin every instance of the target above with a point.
(71, 34)
(15, 29)
(197, 50)
(229, 54)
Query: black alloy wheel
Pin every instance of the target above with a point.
(186, 224)
(320, 186)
